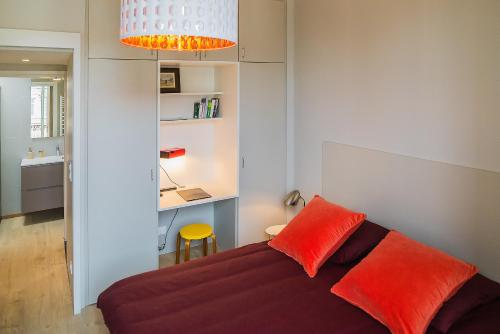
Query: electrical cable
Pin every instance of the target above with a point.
(165, 171)
(162, 247)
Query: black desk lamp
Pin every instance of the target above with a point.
(293, 198)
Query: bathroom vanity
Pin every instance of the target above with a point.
(42, 184)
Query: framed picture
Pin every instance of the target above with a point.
(170, 80)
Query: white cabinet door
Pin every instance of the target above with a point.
(122, 214)
(262, 30)
(179, 55)
(104, 33)
(230, 54)
(263, 150)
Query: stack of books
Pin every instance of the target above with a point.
(207, 108)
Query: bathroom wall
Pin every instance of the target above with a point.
(15, 109)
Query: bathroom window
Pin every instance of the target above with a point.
(40, 111)
(47, 108)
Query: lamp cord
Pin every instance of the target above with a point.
(166, 173)
(162, 247)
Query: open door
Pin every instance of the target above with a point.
(68, 173)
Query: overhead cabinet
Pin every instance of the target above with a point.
(230, 54)
(262, 27)
(104, 39)
(104, 33)
(179, 55)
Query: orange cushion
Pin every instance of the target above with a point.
(316, 233)
(403, 283)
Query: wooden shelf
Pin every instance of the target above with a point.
(190, 120)
(193, 94)
(171, 200)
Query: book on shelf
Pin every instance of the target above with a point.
(207, 108)
(196, 114)
(203, 108)
(215, 113)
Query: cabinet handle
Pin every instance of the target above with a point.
(243, 162)
(152, 175)
(243, 53)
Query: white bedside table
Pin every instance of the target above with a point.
(273, 231)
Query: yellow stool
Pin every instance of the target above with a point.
(194, 232)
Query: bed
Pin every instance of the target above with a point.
(253, 289)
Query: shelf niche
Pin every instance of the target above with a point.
(211, 160)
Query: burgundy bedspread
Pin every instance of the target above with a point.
(253, 289)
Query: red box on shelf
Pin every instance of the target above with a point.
(170, 153)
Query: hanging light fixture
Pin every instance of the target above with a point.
(183, 25)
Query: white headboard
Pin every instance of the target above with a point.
(454, 208)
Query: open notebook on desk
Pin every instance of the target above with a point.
(190, 195)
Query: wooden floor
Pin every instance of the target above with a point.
(34, 290)
(168, 260)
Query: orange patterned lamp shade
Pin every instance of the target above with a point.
(183, 25)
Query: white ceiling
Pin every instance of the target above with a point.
(37, 57)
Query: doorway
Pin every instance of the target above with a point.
(54, 118)
(33, 93)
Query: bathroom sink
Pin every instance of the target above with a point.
(42, 161)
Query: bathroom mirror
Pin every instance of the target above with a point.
(47, 108)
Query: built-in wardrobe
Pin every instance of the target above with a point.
(127, 126)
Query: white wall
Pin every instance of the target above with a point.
(48, 15)
(15, 111)
(418, 78)
(290, 93)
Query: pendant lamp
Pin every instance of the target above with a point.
(183, 25)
